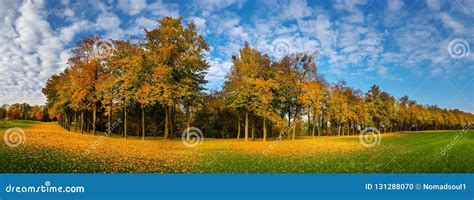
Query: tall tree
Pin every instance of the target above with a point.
(177, 54)
(249, 86)
(87, 66)
(311, 97)
(124, 77)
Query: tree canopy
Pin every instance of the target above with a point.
(156, 88)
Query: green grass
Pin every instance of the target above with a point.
(412, 152)
(16, 123)
(404, 152)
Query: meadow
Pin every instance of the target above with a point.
(48, 148)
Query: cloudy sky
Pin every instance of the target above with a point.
(419, 48)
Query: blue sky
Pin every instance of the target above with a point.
(417, 48)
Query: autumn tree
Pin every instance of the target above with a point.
(162, 78)
(87, 65)
(249, 87)
(176, 54)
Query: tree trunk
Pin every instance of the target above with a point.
(75, 121)
(289, 123)
(246, 126)
(143, 122)
(94, 118)
(82, 122)
(354, 129)
(109, 130)
(264, 130)
(172, 121)
(295, 123)
(125, 121)
(167, 108)
(253, 128)
(344, 130)
(66, 123)
(110, 119)
(309, 123)
(88, 123)
(321, 125)
(238, 127)
(339, 130)
(188, 121)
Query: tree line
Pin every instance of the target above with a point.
(156, 88)
(24, 111)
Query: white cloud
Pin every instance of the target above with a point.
(67, 33)
(295, 9)
(136, 30)
(394, 12)
(434, 4)
(65, 2)
(395, 5)
(349, 5)
(382, 71)
(199, 22)
(67, 13)
(207, 7)
(450, 23)
(31, 49)
(357, 17)
(217, 72)
(132, 7)
(160, 9)
(30, 52)
(229, 26)
(110, 23)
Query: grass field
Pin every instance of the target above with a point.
(50, 149)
